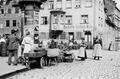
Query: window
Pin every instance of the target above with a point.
(51, 4)
(14, 23)
(88, 3)
(55, 19)
(63, 35)
(44, 21)
(2, 11)
(16, 10)
(68, 4)
(78, 35)
(77, 3)
(99, 5)
(84, 19)
(69, 20)
(9, 10)
(99, 21)
(59, 5)
(102, 24)
(59, 0)
(7, 23)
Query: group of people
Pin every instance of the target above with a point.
(27, 44)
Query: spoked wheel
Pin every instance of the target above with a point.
(72, 57)
(49, 62)
(42, 62)
(28, 65)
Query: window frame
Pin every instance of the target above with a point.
(68, 22)
(51, 5)
(70, 3)
(9, 11)
(16, 10)
(88, 1)
(2, 11)
(44, 20)
(83, 19)
(60, 5)
(77, 3)
(63, 35)
(14, 23)
(7, 23)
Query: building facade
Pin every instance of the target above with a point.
(65, 20)
(72, 19)
(10, 17)
(112, 25)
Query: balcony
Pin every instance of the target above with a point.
(31, 1)
(15, 3)
(109, 21)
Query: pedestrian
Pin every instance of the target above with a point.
(13, 42)
(27, 43)
(82, 53)
(97, 48)
(110, 46)
(3, 45)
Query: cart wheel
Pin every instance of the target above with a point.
(42, 62)
(73, 56)
(56, 60)
(49, 62)
(45, 61)
(28, 65)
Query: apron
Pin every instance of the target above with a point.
(27, 48)
(97, 50)
(82, 52)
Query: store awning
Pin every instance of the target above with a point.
(87, 33)
(57, 11)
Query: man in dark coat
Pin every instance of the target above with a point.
(13, 42)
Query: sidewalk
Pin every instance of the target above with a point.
(6, 69)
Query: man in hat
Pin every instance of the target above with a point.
(13, 43)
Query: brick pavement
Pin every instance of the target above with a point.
(107, 68)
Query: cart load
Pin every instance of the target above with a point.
(52, 55)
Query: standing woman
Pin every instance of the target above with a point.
(83, 54)
(27, 43)
(97, 48)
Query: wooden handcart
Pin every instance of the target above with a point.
(38, 57)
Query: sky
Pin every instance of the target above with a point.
(118, 3)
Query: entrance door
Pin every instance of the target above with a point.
(88, 39)
(71, 36)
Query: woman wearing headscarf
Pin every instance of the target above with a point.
(97, 48)
(27, 43)
(83, 54)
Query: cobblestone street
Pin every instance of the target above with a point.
(106, 68)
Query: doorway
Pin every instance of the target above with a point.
(71, 36)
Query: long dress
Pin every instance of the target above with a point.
(97, 49)
(28, 44)
(82, 52)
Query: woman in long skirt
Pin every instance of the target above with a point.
(82, 51)
(97, 48)
(28, 43)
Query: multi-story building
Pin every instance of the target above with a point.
(112, 24)
(72, 19)
(10, 17)
(65, 19)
